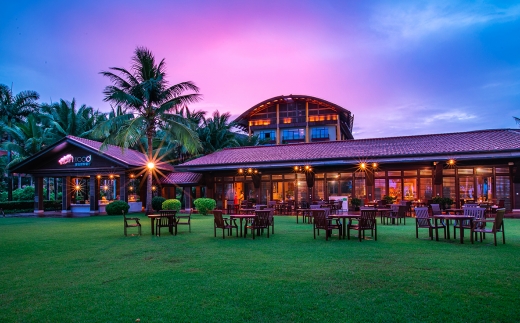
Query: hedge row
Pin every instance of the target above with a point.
(23, 206)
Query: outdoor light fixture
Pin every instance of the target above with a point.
(154, 188)
(111, 176)
(374, 165)
(451, 162)
(98, 177)
(363, 166)
(302, 169)
(150, 165)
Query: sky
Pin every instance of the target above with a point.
(401, 67)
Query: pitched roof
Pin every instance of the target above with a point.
(181, 178)
(454, 144)
(127, 156)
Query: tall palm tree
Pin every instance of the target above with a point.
(67, 119)
(15, 108)
(150, 104)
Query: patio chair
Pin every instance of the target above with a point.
(367, 221)
(498, 226)
(476, 212)
(166, 220)
(436, 209)
(222, 223)
(184, 220)
(321, 221)
(423, 220)
(271, 218)
(259, 223)
(128, 223)
(3, 214)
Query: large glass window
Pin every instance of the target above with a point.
(333, 187)
(394, 188)
(360, 187)
(484, 188)
(466, 188)
(410, 188)
(303, 194)
(346, 184)
(319, 133)
(426, 189)
(319, 189)
(293, 134)
(267, 135)
(503, 190)
(448, 187)
(379, 188)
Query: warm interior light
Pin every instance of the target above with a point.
(240, 171)
(154, 188)
(131, 188)
(77, 187)
(250, 170)
(150, 165)
(451, 162)
(111, 176)
(363, 166)
(374, 165)
(105, 187)
(296, 168)
(98, 177)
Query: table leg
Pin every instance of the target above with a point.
(241, 219)
(461, 229)
(471, 233)
(296, 216)
(152, 220)
(436, 230)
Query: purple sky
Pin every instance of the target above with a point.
(407, 67)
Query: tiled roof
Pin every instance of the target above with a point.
(484, 141)
(181, 178)
(128, 156)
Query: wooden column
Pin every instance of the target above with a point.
(66, 195)
(94, 194)
(123, 187)
(278, 141)
(306, 121)
(187, 198)
(38, 196)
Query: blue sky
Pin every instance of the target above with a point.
(401, 67)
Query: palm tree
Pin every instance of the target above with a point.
(15, 108)
(216, 134)
(66, 119)
(149, 101)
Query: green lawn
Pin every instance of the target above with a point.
(86, 270)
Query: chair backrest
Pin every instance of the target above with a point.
(401, 212)
(422, 216)
(499, 219)
(436, 209)
(501, 204)
(394, 207)
(315, 206)
(470, 205)
(271, 203)
(259, 207)
(319, 218)
(367, 219)
(476, 212)
(167, 212)
(262, 218)
(219, 220)
(327, 210)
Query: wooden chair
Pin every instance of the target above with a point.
(498, 226)
(423, 220)
(166, 220)
(222, 223)
(184, 220)
(259, 223)
(367, 221)
(321, 221)
(436, 209)
(3, 214)
(128, 224)
(271, 218)
(476, 212)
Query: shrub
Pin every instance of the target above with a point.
(117, 208)
(17, 193)
(356, 202)
(172, 204)
(204, 205)
(157, 202)
(3, 196)
(388, 199)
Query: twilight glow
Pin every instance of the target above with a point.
(402, 67)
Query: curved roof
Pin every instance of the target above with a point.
(345, 115)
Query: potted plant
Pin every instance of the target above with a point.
(356, 203)
(448, 202)
(388, 199)
(439, 200)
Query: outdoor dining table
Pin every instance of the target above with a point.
(457, 217)
(454, 211)
(246, 211)
(152, 218)
(344, 217)
(242, 217)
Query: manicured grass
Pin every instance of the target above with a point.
(86, 270)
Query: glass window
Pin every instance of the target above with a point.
(394, 173)
(266, 177)
(484, 171)
(410, 188)
(265, 193)
(410, 173)
(288, 190)
(503, 190)
(425, 172)
(319, 189)
(289, 176)
(465, 171)
(319, 175)
(293, 134)
(276, 177)
(394, 188)
(332, 188)
(277, 191)
(379, 174)
(319, 133)
(448, 171)
(426, 189)
(484, 188)
(379, 188)
(503, 170)
(448, 187)
(360, 188)
(466, 188)
(267, 135)
(303, 195)
(228, 179)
